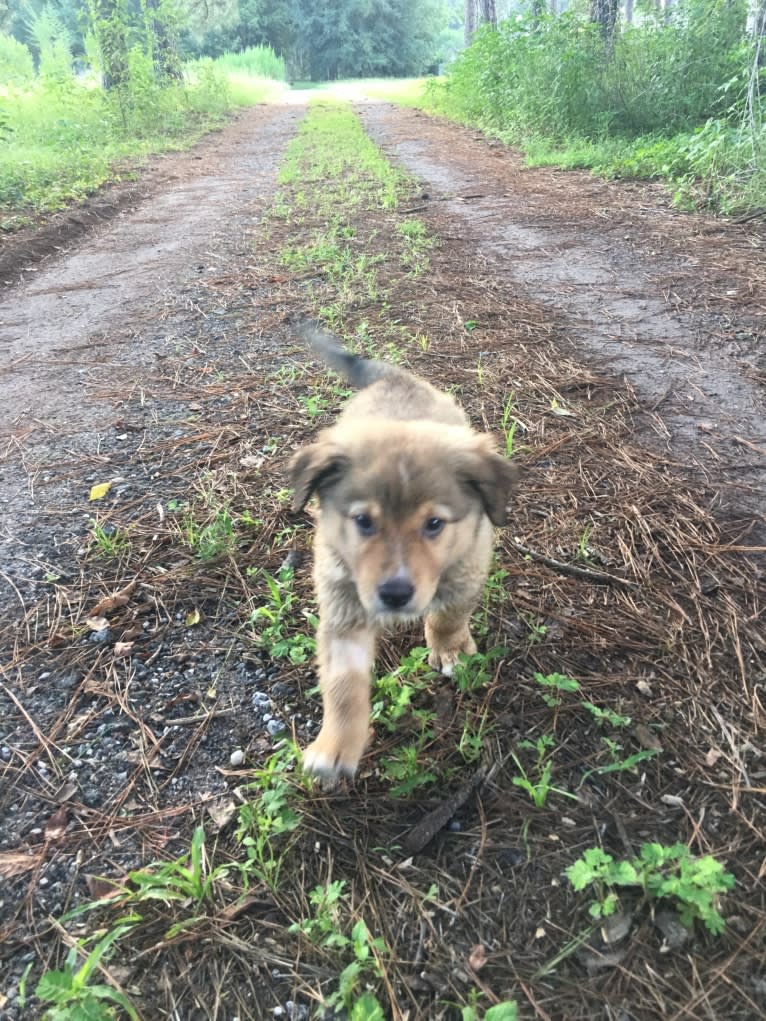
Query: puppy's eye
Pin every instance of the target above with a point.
(433, 527)
(365, 524)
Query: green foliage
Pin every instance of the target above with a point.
(663, 873)
(70, 994)
(552, 76)
(255, 61)
(265, 818)
(667, 99)
(279, 631)
(16, 65)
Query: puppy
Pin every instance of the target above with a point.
(408, 497)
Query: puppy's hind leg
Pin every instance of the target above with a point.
(447, 636)
(345, 668)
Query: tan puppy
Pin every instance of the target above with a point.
(408, 497)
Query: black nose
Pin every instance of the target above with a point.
(396, 593)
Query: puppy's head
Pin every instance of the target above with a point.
(400, 504)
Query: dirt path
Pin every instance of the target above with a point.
(148, 345)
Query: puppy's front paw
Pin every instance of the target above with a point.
(445, 659)
(331, 756)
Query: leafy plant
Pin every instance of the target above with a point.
(672, 873)
(266, 817)
(558, 683)
(69, 990)
(276, 621)
(536, 780)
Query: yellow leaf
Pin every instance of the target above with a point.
(192, 617)
(211, 693)
(100, 491)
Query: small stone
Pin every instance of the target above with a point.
(237, 757)
(282, 689)
(100, 637)
(454, 826)
(275, 727)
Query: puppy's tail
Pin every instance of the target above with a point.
(360, 372)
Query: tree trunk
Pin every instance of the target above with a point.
(488, 12)
(164, 43)
(110, 27)
(604, 14)
(469, 21)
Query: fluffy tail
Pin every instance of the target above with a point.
(360, 372)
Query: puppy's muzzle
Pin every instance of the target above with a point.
(395, 593)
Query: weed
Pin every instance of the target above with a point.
(267, 817)
(212, 539)
(537, 631)
(405, 767)
(662, 873)
(474, 672)
(367, 951)
(608, 716)
(108, 541)
(393, 692)
(276, 620)
(471, 743)
(537, 780)
(70, 993)
(506, 1011)
(557, 682)
(324, 928)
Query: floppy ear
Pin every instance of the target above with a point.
(493, 477)
(314, 467)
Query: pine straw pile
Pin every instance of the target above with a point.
(614, 572)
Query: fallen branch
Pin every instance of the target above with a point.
(584, 573)
(422, 834)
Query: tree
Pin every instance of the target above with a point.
(604, 14)
(163, 25)
(478, 12)
(110, 26)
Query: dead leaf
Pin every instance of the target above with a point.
(673, 800)
(97, 623)
(104, 889)
(16, 863)
(56, 825)
(192, 617)
(110, 603)
(645, 688)
(647, 739)
(252, 460)
(99, 492)
(222, 812)
(478, 957)
(122, 649)
(66, 793)
(713, 756)
(211, 693)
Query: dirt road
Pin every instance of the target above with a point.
(141, 341)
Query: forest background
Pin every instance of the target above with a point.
(641, 89)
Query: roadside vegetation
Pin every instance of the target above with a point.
(67, 126)
(409, 896)
(674, 94)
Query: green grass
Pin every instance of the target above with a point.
(62, 140)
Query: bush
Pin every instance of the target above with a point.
(257, 61)
(16, 64)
